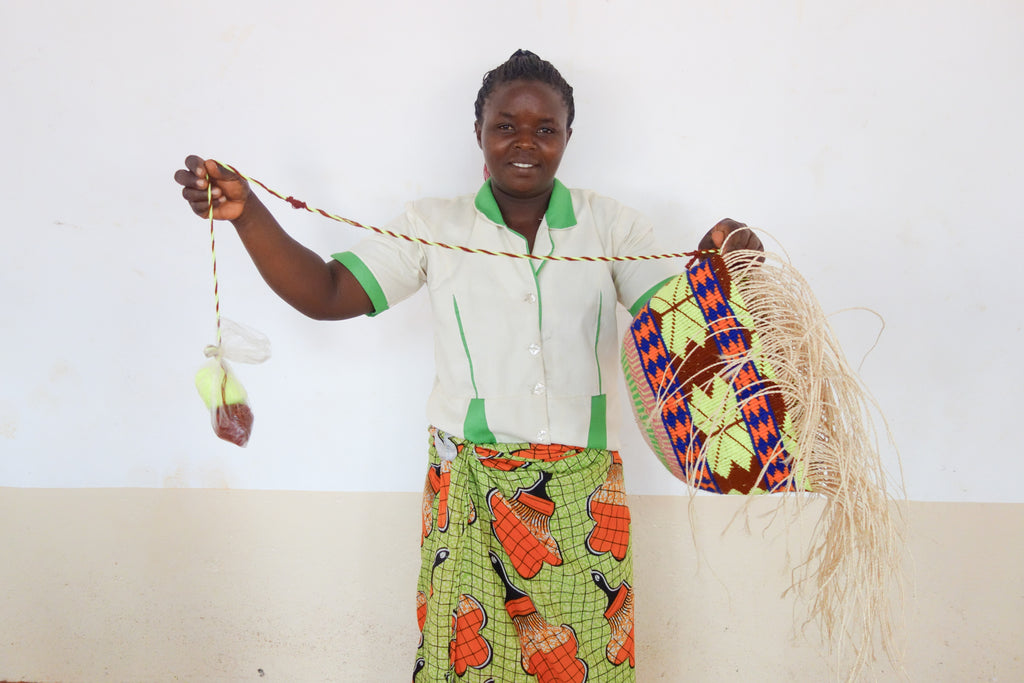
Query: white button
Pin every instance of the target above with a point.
(531, 298)
(538, 388)
(534, 349)
(542, 436)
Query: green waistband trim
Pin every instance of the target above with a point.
(598, 436)
(475, 427)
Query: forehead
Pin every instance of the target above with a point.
(526, 97)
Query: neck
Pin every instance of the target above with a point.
(522, 211)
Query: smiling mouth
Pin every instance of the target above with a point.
(522, 165)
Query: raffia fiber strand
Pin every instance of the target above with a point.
(851, 571)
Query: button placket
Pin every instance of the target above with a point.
(539, 388)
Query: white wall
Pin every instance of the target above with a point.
(878, 141)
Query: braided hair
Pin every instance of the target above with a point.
(524, 65)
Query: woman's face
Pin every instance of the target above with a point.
(523, 135)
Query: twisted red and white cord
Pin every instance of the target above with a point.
(213, 254)
(299, 204)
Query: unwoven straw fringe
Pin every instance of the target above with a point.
(852, 570)
(853, 562)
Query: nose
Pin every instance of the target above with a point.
(524, 140)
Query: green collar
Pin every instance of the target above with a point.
(560, 213)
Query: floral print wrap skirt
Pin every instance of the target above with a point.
(526, 571)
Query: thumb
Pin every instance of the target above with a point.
(218, 172)
(718, 235)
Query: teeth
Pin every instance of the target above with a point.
(518, 165)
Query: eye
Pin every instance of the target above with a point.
(546, 131)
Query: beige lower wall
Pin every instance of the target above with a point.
(211, 585)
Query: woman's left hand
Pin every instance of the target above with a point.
(739, 237)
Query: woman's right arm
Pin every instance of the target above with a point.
(325, 291)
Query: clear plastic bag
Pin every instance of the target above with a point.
(219, 387)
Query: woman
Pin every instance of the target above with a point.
(526, 570)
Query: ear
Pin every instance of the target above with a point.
(568, 134)
(476, 129)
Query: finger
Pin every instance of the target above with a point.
(747, 239)
(187, 178)
(202, 206)
(196, 197)
(199, 194)
(729, 224)
(729, 233)
(736, 239)
(720, 231)
(743, 239)
(718, 235)
(196, 164)
(184, 178)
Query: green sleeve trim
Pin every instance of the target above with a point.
(639, 303)
(475, 427)
(365, 277)
(598, 436)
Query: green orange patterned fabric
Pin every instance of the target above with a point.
(526, 571)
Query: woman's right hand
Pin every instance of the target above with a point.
(230, 191)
